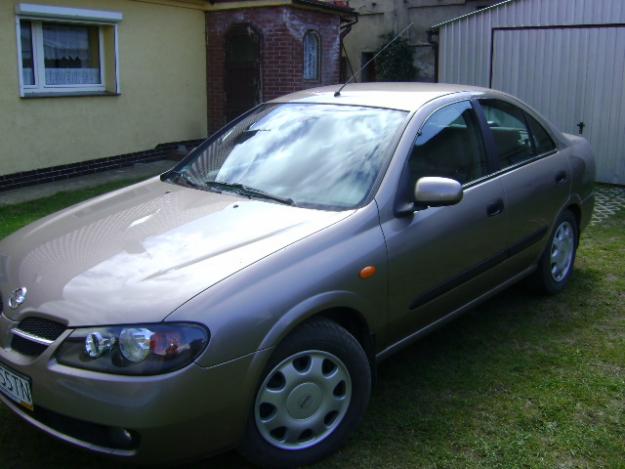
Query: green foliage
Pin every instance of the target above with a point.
(396, 62)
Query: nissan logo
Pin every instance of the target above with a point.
(17, 298)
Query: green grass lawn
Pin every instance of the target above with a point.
(522, 381)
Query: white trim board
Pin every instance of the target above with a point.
(29, 10)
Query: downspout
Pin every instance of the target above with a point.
(434, 44)
(345, 29)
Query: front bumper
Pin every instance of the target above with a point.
(182, 415)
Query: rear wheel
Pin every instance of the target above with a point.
(556, 264)
(313, 394)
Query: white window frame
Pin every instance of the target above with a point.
(39, 14)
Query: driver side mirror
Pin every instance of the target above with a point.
(437, 192)
(431, 192)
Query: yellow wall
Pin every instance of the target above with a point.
(162, 56)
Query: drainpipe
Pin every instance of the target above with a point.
(345, 29)
(434, 44)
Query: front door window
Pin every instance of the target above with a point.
(450, 145)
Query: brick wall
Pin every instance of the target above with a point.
(282, 31)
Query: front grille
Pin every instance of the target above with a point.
(27, 347)
(38, 328)
(43, 328)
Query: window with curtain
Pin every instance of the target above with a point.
(65, 50)
(57, 57)
(71, 54)
(60, 55)
(312, 55)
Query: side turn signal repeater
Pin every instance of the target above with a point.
(367, 272)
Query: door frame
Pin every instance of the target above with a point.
(233, 31)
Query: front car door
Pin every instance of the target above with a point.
(535, 176)
(441, 257)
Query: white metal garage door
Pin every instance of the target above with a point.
(571, 75)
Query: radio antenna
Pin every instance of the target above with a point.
(338, 92)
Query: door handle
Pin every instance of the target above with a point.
(495, 208)
(561, 177)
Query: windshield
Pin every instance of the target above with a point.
(315, 155)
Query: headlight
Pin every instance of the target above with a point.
(149, 349)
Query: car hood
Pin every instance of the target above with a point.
(137, 254)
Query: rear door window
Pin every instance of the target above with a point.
(510, 132)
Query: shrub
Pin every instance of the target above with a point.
(395, 63)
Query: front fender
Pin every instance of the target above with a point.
(255, 308)
(313, 306)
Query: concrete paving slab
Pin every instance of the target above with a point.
(138, 171)
(608, 201)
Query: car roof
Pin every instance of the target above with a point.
(408, 96)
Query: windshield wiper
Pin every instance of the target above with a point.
(248, 191)
(184, 179)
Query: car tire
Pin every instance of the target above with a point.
(312, 395)
(556, 264)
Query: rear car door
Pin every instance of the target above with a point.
(535, 175)
(441, 257)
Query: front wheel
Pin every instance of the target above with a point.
(556, 264)
(313, 394)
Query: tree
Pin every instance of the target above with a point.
(395, 63)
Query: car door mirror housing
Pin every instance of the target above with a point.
(437, 192)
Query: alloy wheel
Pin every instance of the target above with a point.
(562, 250)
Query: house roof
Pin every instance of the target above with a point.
(466, 15)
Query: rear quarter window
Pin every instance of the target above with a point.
(510, 133)
(542, 140)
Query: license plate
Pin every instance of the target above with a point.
(16, 387)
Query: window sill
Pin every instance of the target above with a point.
(69, 94)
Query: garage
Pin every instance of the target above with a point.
(565, 58)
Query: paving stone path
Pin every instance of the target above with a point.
(608, 201)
